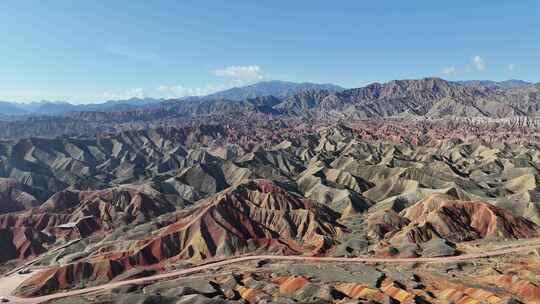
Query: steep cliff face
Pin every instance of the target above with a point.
(22, 243)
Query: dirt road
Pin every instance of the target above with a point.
(233, 260)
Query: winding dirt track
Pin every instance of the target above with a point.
(233, 260)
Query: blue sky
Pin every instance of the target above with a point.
(89, 51)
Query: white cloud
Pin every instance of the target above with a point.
(179, 91)
(479, 63)
(449, 71)
(131, 93)
(240, 73)
(235, 76)
(511, 67)
(131, 52)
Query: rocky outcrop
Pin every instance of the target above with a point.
(15, 197)
(74, 214)
(22, 243)
(458, 221)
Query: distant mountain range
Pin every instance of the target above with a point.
(60, 107)
(431, 98)
(10, 108)
(428, 97)
(275, 88)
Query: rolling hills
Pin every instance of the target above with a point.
(91, 210)
(408, 169)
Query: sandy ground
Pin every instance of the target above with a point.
(10, 283)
